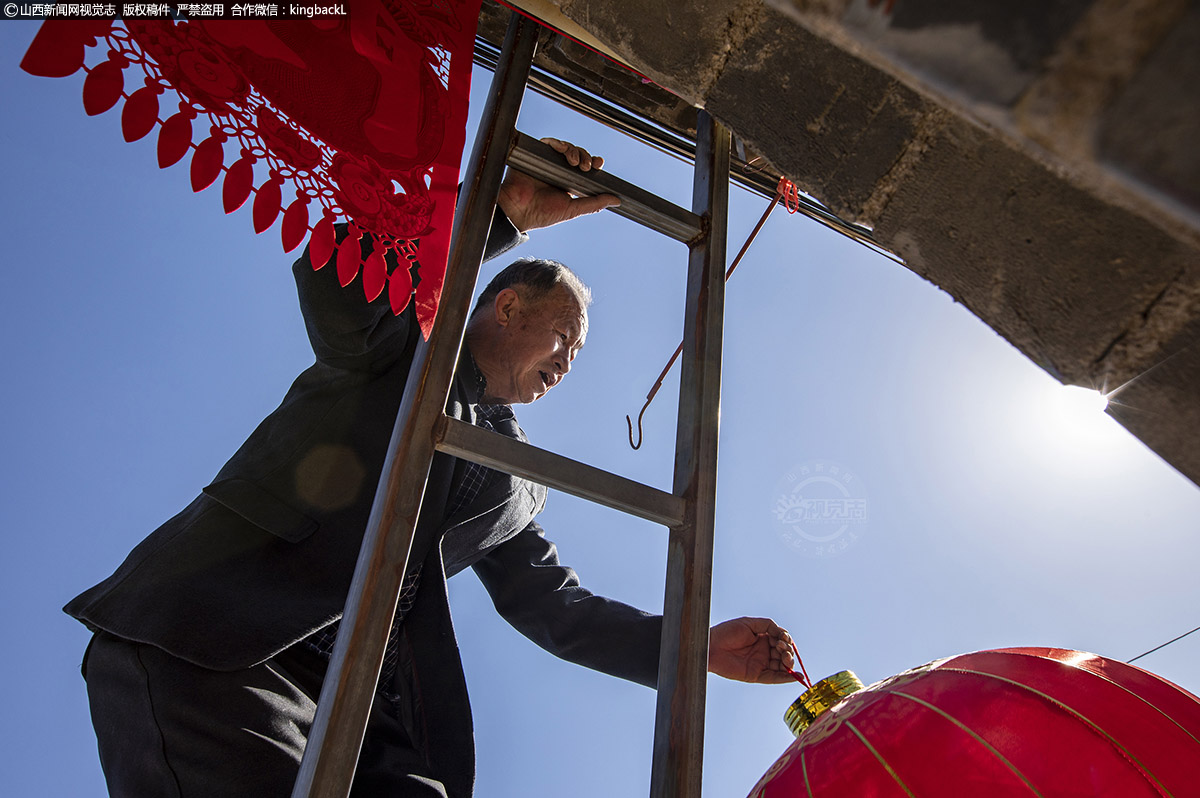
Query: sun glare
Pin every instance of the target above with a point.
(1077, 401)
(1075, 419)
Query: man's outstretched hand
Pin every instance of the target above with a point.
(529, 203)
(751, 650)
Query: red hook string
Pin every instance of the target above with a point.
(802, 675)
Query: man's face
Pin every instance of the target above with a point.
(537, 342)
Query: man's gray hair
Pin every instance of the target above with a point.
(537, 276)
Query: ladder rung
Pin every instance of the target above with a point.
(460, 439)
(541, 161)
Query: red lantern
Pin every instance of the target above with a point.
(1010, 722)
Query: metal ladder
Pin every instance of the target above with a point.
(422, 428)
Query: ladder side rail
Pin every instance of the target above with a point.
(683, 661)
(334, 743)
(460, 439)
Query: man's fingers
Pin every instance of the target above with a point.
(781, 657)
(775, 677)
(752, 650)
(585, 205)
(778, 632)
(572, 152)
(784, 653)
(768, 627)
(566, 148)
(575, 155)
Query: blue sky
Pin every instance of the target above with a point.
(149, 333)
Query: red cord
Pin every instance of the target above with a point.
(786, 193)
(802, 676)
(790, 194)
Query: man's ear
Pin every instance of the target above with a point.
(505, 306)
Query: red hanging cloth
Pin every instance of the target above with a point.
(365, 114)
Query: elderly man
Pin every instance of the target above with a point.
(212, 638)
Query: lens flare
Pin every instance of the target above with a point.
(1077, 401)
(1075, 421)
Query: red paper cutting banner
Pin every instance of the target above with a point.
(361, 116)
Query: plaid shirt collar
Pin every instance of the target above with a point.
(476, 389)
(473, 379)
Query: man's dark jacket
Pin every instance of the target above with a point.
(265, 555)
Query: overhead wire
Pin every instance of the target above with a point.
(744, 174)
(1164, 645)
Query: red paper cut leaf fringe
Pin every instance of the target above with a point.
(295, 224)
(140, 114)
(207, 162)
(400, 288)
(267, 200)
(102, 88)
(239, 182)
(174, 139)
(255, 89)
(426, 295)
(374, 272)
(320, 246)
(349, 257)
(60, 45)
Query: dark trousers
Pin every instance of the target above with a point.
(166, 727)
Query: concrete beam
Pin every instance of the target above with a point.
(1034, 159)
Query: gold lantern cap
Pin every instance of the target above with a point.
(818, 698)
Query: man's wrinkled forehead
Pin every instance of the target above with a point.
(578, 334)
(574, 319)
(564, 306)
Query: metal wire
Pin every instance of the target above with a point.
(1164, 645)
(747, 175)
(779, 193)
